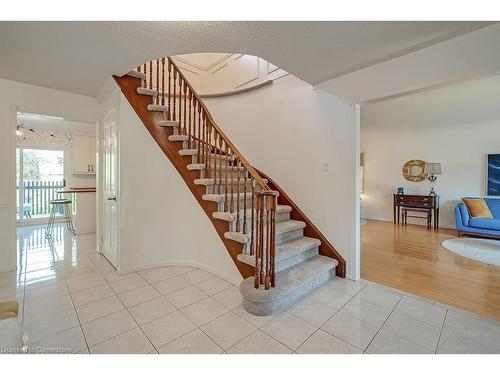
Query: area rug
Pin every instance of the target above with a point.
(482, 250)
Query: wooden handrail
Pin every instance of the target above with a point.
(242, 159)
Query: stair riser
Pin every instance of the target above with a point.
(280, 239)
(212, 162)
(279, 218)
(269, 308)
(220, 206)
(285, 216)
(221, 174)
(289, 236)
(296, 259)
(216, 189)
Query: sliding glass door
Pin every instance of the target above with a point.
(40, 174)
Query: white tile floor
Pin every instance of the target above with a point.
(72, 298)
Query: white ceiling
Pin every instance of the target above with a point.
(470, 102)
(53, 124)
(80, 56)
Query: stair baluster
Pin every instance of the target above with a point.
(151, 74)
(174, 117)
(190, 121)
(237, 195)
(244, 203)
(162, 93)
(157, 98)
(169, 89)
(184, 90)
(227, 207)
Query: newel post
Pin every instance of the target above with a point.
(265, 236)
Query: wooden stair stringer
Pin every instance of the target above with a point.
(139, 103)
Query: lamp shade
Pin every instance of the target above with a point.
(432, 168)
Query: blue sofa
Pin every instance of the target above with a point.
(479, 226)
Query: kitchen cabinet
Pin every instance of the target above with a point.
(84, 154)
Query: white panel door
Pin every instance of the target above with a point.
(110, 179)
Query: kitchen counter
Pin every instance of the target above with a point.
(85, 206)
(77, 190)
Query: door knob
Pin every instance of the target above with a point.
(112, 199)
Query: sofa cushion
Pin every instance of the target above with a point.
(494, 206)
(478, 208)
(464, 214)
(493, 224)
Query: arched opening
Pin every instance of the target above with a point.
(214, 74)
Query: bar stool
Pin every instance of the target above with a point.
(56, 205)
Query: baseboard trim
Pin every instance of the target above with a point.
(390, 220)
(229, 279)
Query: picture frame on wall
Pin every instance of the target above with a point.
(493, 173)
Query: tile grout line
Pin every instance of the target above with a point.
(179, 310)
(441, 333)
(76, 311)
(386, 319)
(78, 317)
(126, 309)
(320, 327)
(317, 328)
(412, 318)
(257, 329)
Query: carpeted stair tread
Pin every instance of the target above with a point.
(136, 74)
(228, 216)
(221, 197)
(167, 123)
(157, 108)
(222, 181)
(178, 138)
(188, 152)
(148, 92)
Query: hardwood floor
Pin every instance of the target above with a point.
(412, 259)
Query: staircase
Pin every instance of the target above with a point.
(279, 252)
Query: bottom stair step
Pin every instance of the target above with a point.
(291, 284)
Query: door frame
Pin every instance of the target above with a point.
(100, 183)
(11, 205)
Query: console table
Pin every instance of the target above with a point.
(417, 201)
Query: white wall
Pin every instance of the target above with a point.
(456, 126)
(305, 139)
(160, 222)
(34, 99)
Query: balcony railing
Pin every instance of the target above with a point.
(37, 197)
